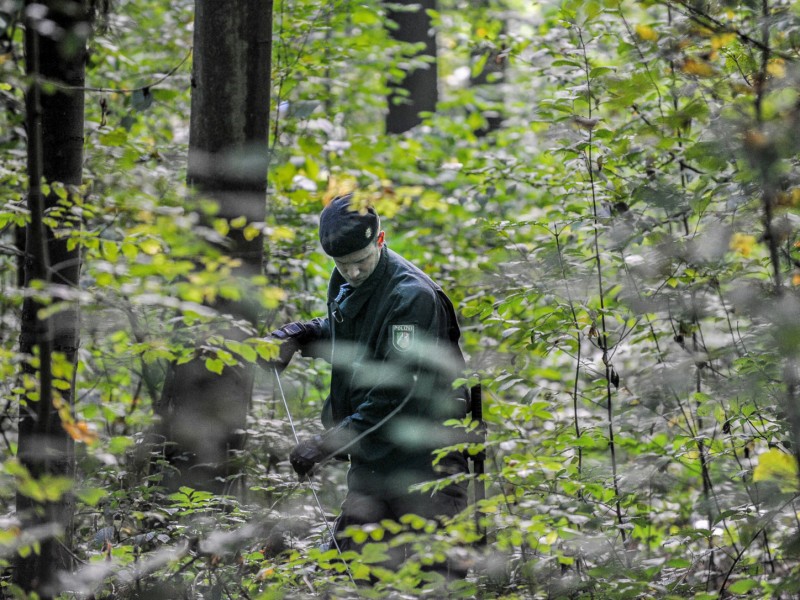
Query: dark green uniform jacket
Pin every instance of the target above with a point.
(393, 344)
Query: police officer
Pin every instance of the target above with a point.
(392, 337)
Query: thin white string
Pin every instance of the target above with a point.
(310, 486)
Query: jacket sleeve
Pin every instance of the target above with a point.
(317, 343)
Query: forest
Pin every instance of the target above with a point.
(607, 190)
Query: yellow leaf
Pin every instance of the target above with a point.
(281, 234)
(742, 243)
(251, 232)
(796, 278)
(272, 297)
(239, 222)
(776, 68)
(80, 432)
(338, 187)
(703, 31)
(150, 246)
(221, 226)
(265, 573)
(646, 33)
(700, 68)
(779, 467)
(722, 40)
(755, 140)
(104, 279)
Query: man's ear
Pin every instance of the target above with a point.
(381, 237)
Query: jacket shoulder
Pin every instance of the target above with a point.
(407, 273)
(408, 286)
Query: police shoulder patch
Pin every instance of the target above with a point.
(403, 337)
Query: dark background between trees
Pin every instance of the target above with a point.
(607, 190)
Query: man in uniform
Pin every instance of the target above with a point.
(392, 337)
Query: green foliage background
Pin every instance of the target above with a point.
(623, 252)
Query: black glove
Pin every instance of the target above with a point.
(292, 337)
(312, 450)
(306, 454)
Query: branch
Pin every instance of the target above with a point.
(765, 522)
(11, 250)
(142, 88)
(703, 18)
(603, 337)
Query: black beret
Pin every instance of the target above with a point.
(343, 229)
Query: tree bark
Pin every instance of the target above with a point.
(418, 91)
(54, 123)
(203, 414)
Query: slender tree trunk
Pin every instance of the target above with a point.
(203, 414)
(488, 72)
(418, 91)
(55, 156)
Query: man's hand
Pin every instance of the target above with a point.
(306, 454)
(292, 337)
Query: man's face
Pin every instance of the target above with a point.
(357, 266)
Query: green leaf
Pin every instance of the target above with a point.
(215, 365)
(246, 351)
(60, 384)
(114, 138)
(360, 570)
(742, 586)
(779, 467)
(110, 250)
(91, 496)
(679, 563)
(118, 444)
(479, 64)
(566, 62)
(598, 71)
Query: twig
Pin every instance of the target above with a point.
(580, 348)
(142, 88)
(12, 251)
(604, 332)
(755, 536)
(706, 20)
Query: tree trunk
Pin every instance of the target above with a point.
(203, 414)
(55, 154)
(490, 63)
(418, 91)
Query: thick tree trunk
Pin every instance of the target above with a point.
(203, 414)
(55, 155)
(418, 91)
